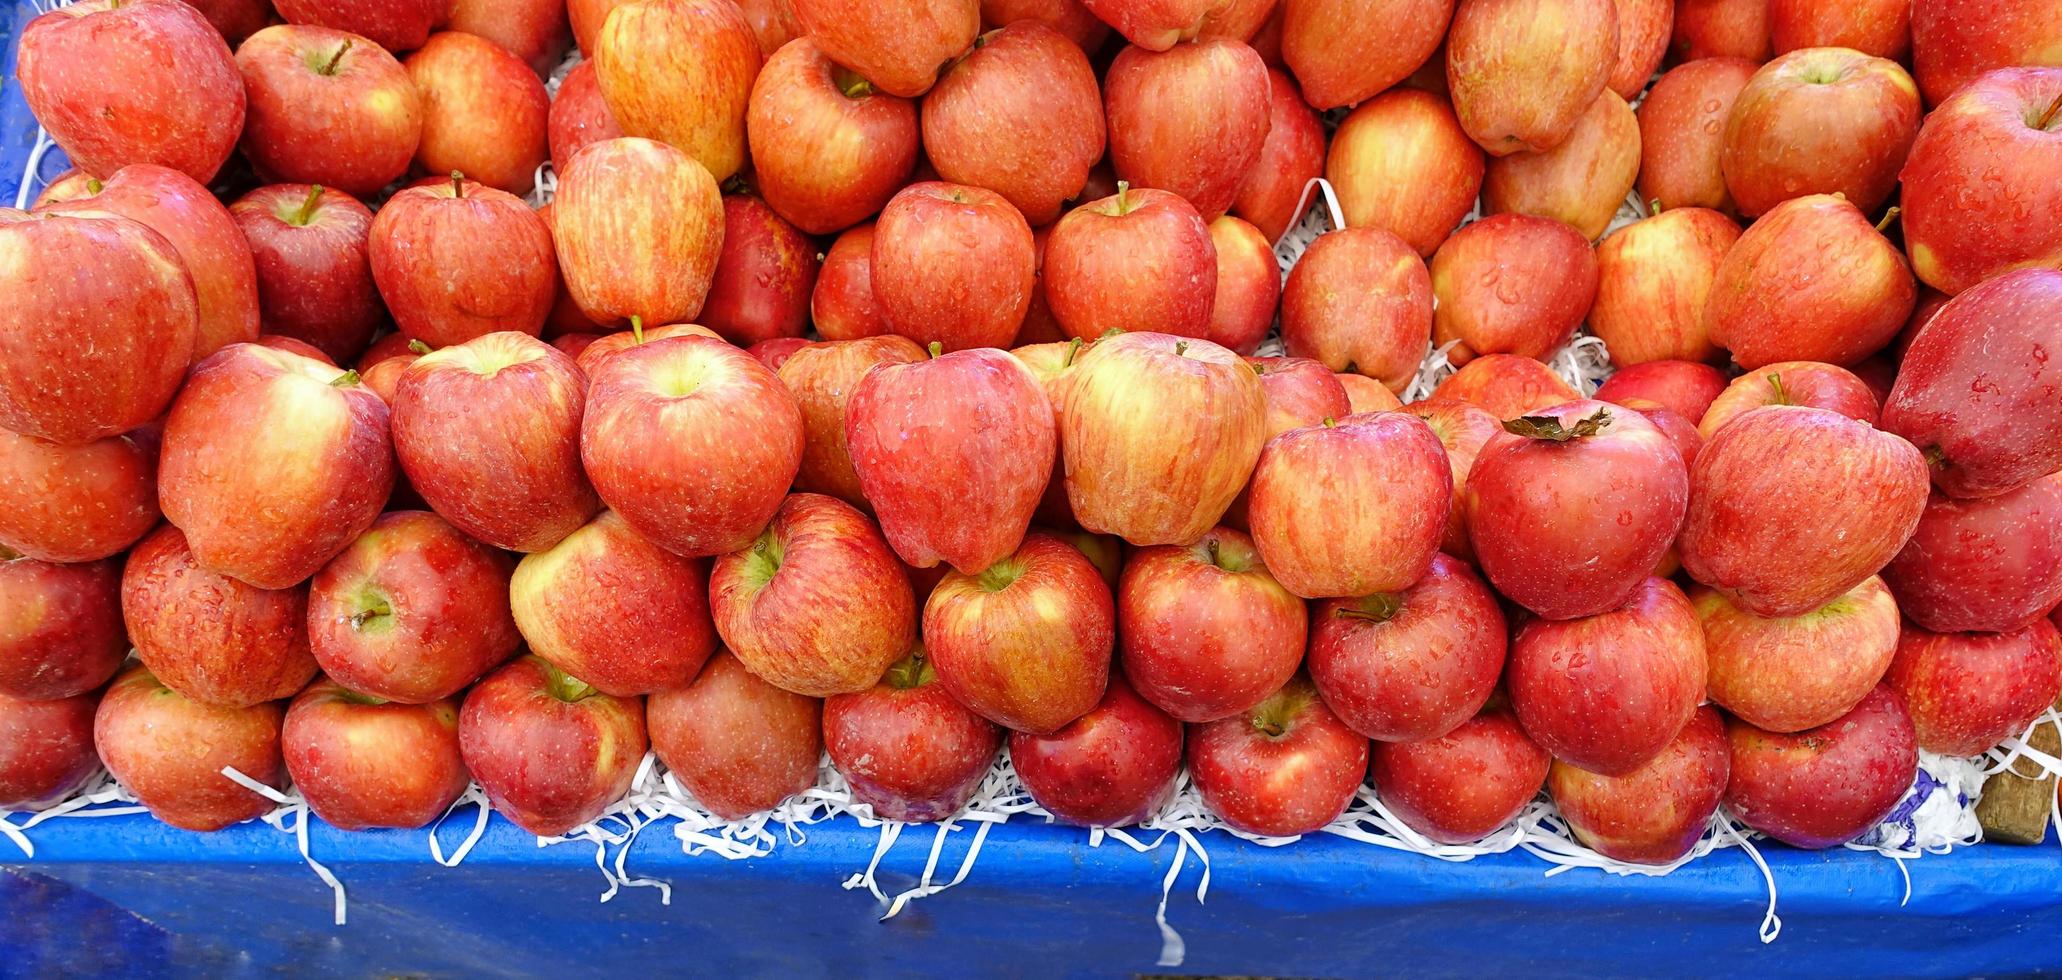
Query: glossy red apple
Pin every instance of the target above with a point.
(1982, 187)
(255, 643)
(1025, 643)
(327, 107)
(1875, 27)
(1790, 673)
(578, 117)
(739, 744)
(638, 226)
(764, 276)
(1511, 284)
(61, 632)
(1811, 280)
(953, 265)
(842, 305)
(455, 260)
(1809, 384)
(1582, 180)
(1249, 285)
(1286, 766)
(77, 503)
(1682, 132)
(908, 750)
(309, 246)
(484, 112)
(1189, 120)
(1112, 767)
(1393, 469)
(1412, 664)
(1656, 813)
(1020, 115)
(1359, 300)
(1644, 30)
(1820, 121)
(828, 150)
(1401, 162)
(170, 751)
(1685, 387)
(550, 751)
(1522, 73)
(1955, 41)
(681, 72)
(1292, 155)
(361, 762)
(1462, 786)
(615, 609)
(1205, 631)
(46, 750)
(1139, 260)
(1463, 429)
(1344, 51)
(1968, 691)
(1983, 565)
(1827, 785)
(1653, 278)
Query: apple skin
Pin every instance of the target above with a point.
(1138, 261)
(1809, 384)
(1189, 120)
(551, 752)
(842, 305)
(1286, 766)
(1970, 387)
(1299, 392)
(1154, 25)
(578, 117)
(818, 605)
(639, 227)
(1820, 121)
(1069, 17)
(87, 357)
(1644, 29)
(272, 463)
(61, 632)
(1365, 394)
(1655, 814)
(908, 749)
(1827, 785)
(953, 265)
(209, 636)
(121, 82)
(827, 149)
(77, 503)
(1159, 435)
(1721, 29)
(384, 379)
(396, 25)
(681, 72)
(1204, 630)
(899, 46)
(362, 763)
(1359, 300)
(309, 250)
(1505, 385)
(586, 18)
(1402, 162)
(1682, 133)
(1881, 28)
(1020, 115)
(1607, 693)
(1413, 664)
(1956, 41)
(327, 107)
(169, 752)
(1290, 157)
(1025, 643)
(823, 378)
(953, 454)
(1653, 278)
(1344, 51)
(1983, 186)
(1463, 430)
(1685, 387)
(514, 403)
(764, 275)
(484, 112)
(1812, 280)
(628, 616)
(1394, 470)
(738, 744)
(1552, 259)
(1792, 507)
(1582, 180)
(456, 259)
(1112, 767)
(607, 346)
(1462, 786)
(46, 750)
(234, 19)
(1522, 73)
(1968, 691)
(1992, 565)
(1790, 673)
(535, 31)
(1249, 286)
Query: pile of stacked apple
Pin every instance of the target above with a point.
(595, 491)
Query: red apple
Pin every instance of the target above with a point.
(234, 19)
(484, 112)
(1721, 29)
(1955, 41)
(1805, 383)
(1402, 162)
(823, 378)
(1020, 115)
(1205, 631)
(1505, 386)
(1790, 673)
(764, 275)
(1820, 121)
(1653, 277)
(1365, 394)
(1238, 19)
(639, 227)
(1968, 691)
(327, 107)
(1827, 785)
(383, 378)
(1025, 643)
(1411, 664)
(46, 750)
(1987, 565)
(1682, 132)
(908, 750)
(578, 117)
(1511, 284)
(607, 346)
(1463, 431)
(586, 18)
(827, 149)
(773, 23)
(456, 260)
(1112, 767)
(1462, 786)
(309, 245)
(533, 30)
(1286, 766)
(396, 25)
(1644, 28)
(1810, 281)
(170, 752)
(1299, 392)
(953, 265)
(842, 305)
(681, 72)
(1685, 387)
(361, 762)
(739, 744)
(61, 631)
(1394, 471)
(775, 351)
(1983, 184)
(254, 646)
(1189, 120)
(1069, 17)
(1249, 284)
(1656, 813)
(1581, 181)
(1344, 51)
(551, 751)
(77, 503)
(615, 609)
(1292, 155)
(1359, 300)
(1154, 25)
(898, 46)
(1522, 73)
(1882, 28)
(1140, 260)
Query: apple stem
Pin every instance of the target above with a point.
(2054, 109)
(1935, 456)
(1123, 190)
(1549, 428)
(94, 186)
(1654, 206)
(457, 184)
(330, 67)
(1378, 608)
(851, 84)
(366, 615)
(1331, 423)
(418, 347)
(8, 554)
(636, 329)
(912, 671)
(565, 687)
(1073, 350)
(356, 698)
(1181, 348)
(306, 214)
(1888, 217)
(345, 380)
(1775, 381)
(936, 348)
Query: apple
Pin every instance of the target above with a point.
(272, 463)
(1505, 385)
(255, 647)
(1411, 664)
(1881, 28)
(1393, 469)
(1249, 285)
(362, 762)
(1653, 278)
(1820, 121)
(1827, 785)
(61, 632)
(1644, 28)
(907, 749)
(1026, 642)
(1987, 565)
(1137, 261)
(484, 112)
(456, 259)
(1721, 29)
(607, 346)
(898, 46)
(1511, 284)
(1344, 51)
(1040, 327)
(1582, 180)
(234, 19)
(1790, 673)
(681, 72)
(1522, 74)
(738, 744)
(1609, 692)
(1189, 120)
(1112, 767)
(842, 305)
(1069, 17)
(1299, 392)
(1462, 786)
(822, 377)
(954, 265)
(1365, 394)
(169, 752)
(1292, 155)
(46, 750)
(533, 30)
(638, 226)
(77, 503)
(1956, 41)
(609, 605)
(1810, 281)
(1803, 383)
(827, 149)
(1402, 162)
(1020, 115)
(764, 275)
(1983, 184)
(1463, 430)
(1792, 507)
(1360, 300)
(327, 107)
(1968, 691)
(1656, 813)
(1970, 388)
(578, 117)
(1685, 387)
(87, 357)
(120, 82)
(1237, 764)
(309, 247)
(1205, 631)
(586, 18)
(1154, 25)
(396, 25)
(1159, 434)
(551, 751)
(1682, 132)
(1239, 20)
(775, 351)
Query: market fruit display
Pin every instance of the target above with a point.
(887, 392)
